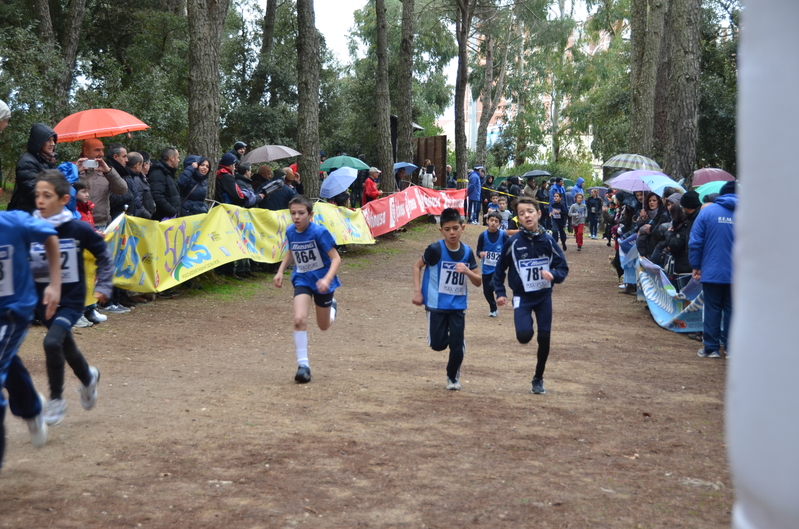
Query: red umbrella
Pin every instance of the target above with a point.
(97, 123)
(707, 174)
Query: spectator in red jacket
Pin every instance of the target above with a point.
(84, 206)
(370, 191)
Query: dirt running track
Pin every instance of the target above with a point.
(200, 423)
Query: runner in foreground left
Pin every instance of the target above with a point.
(313, 250)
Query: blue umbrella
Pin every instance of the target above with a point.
(409, 167)
(338, 182)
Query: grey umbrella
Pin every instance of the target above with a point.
(268, 153)
(535, 172)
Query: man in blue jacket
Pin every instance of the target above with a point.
(474, 193)
(710, 255)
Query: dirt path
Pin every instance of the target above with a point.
(200, 424)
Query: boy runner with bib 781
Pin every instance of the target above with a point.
(313, 250)
(535, 263)
(443, 291)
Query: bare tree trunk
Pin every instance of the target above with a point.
(463, 23)
(647, 35)
(308, 64)
(405, 90)
(554, 107)
(206, 21)
(259, 76)
(683, 96)
(68, 42)
(660, 132)
(385, 157)
(521, 132)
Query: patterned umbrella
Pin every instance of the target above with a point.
(632, 162)
(711, 174)
(644, 181)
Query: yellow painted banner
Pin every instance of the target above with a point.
(152, 256)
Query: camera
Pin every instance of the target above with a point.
(88, 164)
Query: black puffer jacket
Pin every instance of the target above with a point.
(193, 187)
(677, 243)
(130, 198)
(29, 165)
(164, 190)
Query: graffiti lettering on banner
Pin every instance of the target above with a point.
(152, 256)
(387, 214)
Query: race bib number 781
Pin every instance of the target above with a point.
(532, 274)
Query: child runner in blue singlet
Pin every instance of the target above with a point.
(18, 230)
(535, 263)
(489, 248)
(313, 250)
(443, 291)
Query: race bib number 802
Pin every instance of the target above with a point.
(6, 271)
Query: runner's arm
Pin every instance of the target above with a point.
(418, 299)
(52, 293)
(287, 259)
(335, 262)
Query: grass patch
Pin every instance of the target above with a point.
(227, 289)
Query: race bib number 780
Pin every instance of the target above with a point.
(451, 282)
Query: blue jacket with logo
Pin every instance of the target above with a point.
(475, 185)
(712, 238)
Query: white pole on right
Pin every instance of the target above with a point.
(762, 403)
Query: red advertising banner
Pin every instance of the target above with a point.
(387, 214)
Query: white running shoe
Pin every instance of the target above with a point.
(96, 316)
(88, 394)
(54, 411)
(82, 322)
(453, 385)
(333, 311)
(493, 313)
(38, 427)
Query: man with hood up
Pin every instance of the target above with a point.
(710, 254)
(38, 157)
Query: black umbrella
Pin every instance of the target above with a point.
(534, 173)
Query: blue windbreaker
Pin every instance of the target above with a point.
(712, 238)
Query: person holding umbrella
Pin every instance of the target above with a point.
(38, 157)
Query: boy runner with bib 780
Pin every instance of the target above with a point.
(535, 263)
(443, 291)
(313, 250)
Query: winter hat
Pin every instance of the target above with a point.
(5, 112)
(710, 198)
(691, 200)
(239, 145)
(727, 189)
(674, 198)
(228, 160)
(279, 173)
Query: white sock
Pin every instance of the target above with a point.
(301, 347)
(332, 314)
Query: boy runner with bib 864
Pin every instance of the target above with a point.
(316, 261)
(535, 263)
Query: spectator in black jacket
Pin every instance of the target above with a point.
(677, 240)
(39, 156)
(243, 180)
(118, 160)
(226, 190)
(193, 185)
(146, 204)
(279, 199)
(163, 185)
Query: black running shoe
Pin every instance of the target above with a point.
(538, 386)
(303, 375)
